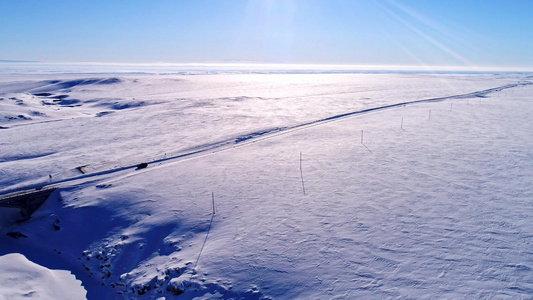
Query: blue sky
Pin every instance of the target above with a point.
(463, 33)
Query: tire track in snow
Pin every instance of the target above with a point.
(243, 140)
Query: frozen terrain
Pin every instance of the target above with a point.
(22, 279)
(326, 186)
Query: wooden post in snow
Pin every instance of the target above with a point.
(401, 126)
(302, 174)
(364, 143)
(451, 106)
(213, 197)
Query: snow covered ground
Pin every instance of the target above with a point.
(314, 200)
(22, 279)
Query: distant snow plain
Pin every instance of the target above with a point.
(325, 186)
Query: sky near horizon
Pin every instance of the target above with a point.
(461, 33)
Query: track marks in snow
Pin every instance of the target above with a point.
(256, 134)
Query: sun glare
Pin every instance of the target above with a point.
(423, 27)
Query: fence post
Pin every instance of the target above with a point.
(213, 197)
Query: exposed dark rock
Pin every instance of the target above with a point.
(175, 290)
(16, 234)
(59, 97)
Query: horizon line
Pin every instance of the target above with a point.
(262, 66)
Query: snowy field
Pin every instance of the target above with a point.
(326, 186)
